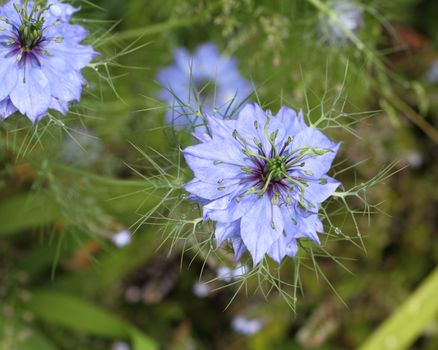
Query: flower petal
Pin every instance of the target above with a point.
(32, 94)
(285, 245)
(8, 75)
(226, 231)
(318, 191)
(317, 165)
(261, 227)
(6, 108)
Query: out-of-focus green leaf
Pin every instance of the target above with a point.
(406, 324)
(79, 315)
(27, 211)
(16, 335)
(113, 266)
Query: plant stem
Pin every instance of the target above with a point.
(409, 321)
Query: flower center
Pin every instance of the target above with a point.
(275, 169)
(30, 31)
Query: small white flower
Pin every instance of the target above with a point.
(201, 289)
(121, 238)
(245, 326)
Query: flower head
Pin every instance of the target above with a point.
(203, 81)
(348, 18)
(40, 58)
(262, 178)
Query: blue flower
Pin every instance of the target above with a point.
(349, 19)
(203, 81)
(262, 178)
(40, 58)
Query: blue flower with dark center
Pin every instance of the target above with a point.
(205, 82)
(262, 179)
(40, 58)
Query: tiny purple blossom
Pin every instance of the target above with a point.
(262, 179)
(40, 58)
(246, 326)
(206, 81)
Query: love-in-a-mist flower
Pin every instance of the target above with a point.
(347, 18)
(40, 58)
(205, 81)
(262, 179)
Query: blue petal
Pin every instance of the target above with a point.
(6, 108)
(76, 56)
(8, 11)
(292, 123)
(251, 124)
(60, 10)
(221, 129)
(309, 227)
(239, 248)
(209, 171)
(210, 191)
(183, 60)
(8, 75)
(318, 165)
(207, 61)
(58, 105)
(228, 208)
(65, 83)
(297, 225)
(32, 94)
(261, 227)
(225, 231)
(286, 245)
(317, 192)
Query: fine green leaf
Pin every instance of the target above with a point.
(81, 316)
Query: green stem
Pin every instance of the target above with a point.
(413, 116)
(398, 103)
(409, 321)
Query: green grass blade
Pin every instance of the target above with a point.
(409, 321)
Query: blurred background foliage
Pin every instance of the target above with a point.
(64, 282)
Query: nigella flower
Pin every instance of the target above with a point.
(348, 18)
(203, 81)
(40, 58)
(262, 178)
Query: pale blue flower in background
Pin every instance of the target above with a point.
(201, 289)
(204, 81)
(246, 326)
(227, 274)
(348, 19)
(120, 345)
(262, 179)
(40, 58)
(122, 238)
(432, 73)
